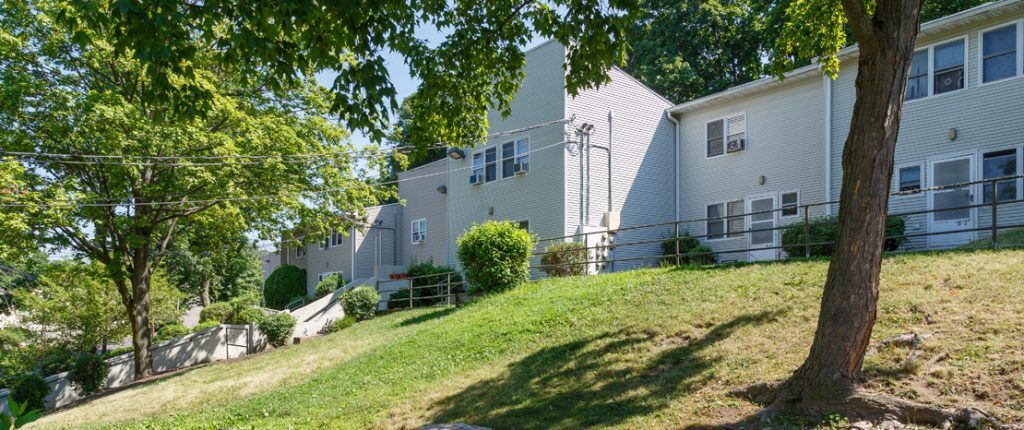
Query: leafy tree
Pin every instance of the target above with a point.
(263, 153)
(214, 266)
(76, 304)
(686, 49)
(477, 67)
(405, 154)
(828, 382)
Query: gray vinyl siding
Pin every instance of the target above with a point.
(986, 117)
(418, 191)
(642, 167)
(538, 195)
(361, 240)
(785, 144)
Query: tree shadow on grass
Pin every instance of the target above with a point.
(596, 381)
(433, 315)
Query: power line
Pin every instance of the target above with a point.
(198, 203)
(177, 160)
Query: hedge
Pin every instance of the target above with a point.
(286, 282)
(565, 259)
(823, 230)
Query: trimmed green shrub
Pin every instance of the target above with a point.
(56, 361)
(823, 230)
(220, 311)
(285, 283)
(118, 351)
(690, 250)
(171, 331)
(340, 324)
(565, 259)
(496, 255)
(247, 316)
(360, 303)
(328, 285)
(30, 388)
(89, 375)
(205, 325)
(278, 328)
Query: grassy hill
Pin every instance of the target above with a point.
(655, 348)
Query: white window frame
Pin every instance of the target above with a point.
(516, 155)
(340, 239)
(782, 214)
(725, 134)
(325, 244)
(931, 68)
(922, 181)
(726, 234)
(422, 231)
(1020, 52)
(979, 167)
(483, 165)
(724, 220)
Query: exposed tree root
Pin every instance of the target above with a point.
(862, 405)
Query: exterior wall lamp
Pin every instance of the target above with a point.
(456, 153)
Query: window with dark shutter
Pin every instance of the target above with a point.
(716, 138)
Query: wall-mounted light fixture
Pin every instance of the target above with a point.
(443, 189)
(490, 210)
(456, 153)
(761, 180)
(952, 134)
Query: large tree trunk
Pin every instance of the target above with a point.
(136, 300)
(204, 295)
(830, 376)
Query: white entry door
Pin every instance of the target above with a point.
(951, 171)
(762, 217)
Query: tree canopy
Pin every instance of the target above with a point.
(686, 49)
(478, 65)
(113, 171)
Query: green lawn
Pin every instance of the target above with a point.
(655, 348)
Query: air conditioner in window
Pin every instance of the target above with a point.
(736, 145)
(476, 179)
(949, 81)
(521, 167)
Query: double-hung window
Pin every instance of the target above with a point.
(999, 53)
(995, 165)
(917, 84)
(908, 178)
(724, 220)
(300, 251)
(485, 166)
(419, 231)
(726, 135)
(790, 204)
(949, 66)
(336, 238)
(515, 157)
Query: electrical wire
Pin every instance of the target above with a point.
(199, 203)
(175, 160)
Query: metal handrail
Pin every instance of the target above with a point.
(806, 224)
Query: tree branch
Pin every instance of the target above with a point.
(860, 21)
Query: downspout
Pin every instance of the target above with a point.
(828, 143)
(610, 208)
(352, 273)
(675, 158)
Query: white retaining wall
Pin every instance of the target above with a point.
(206, 346)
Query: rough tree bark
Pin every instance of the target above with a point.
(204, 295)
(829, 381)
